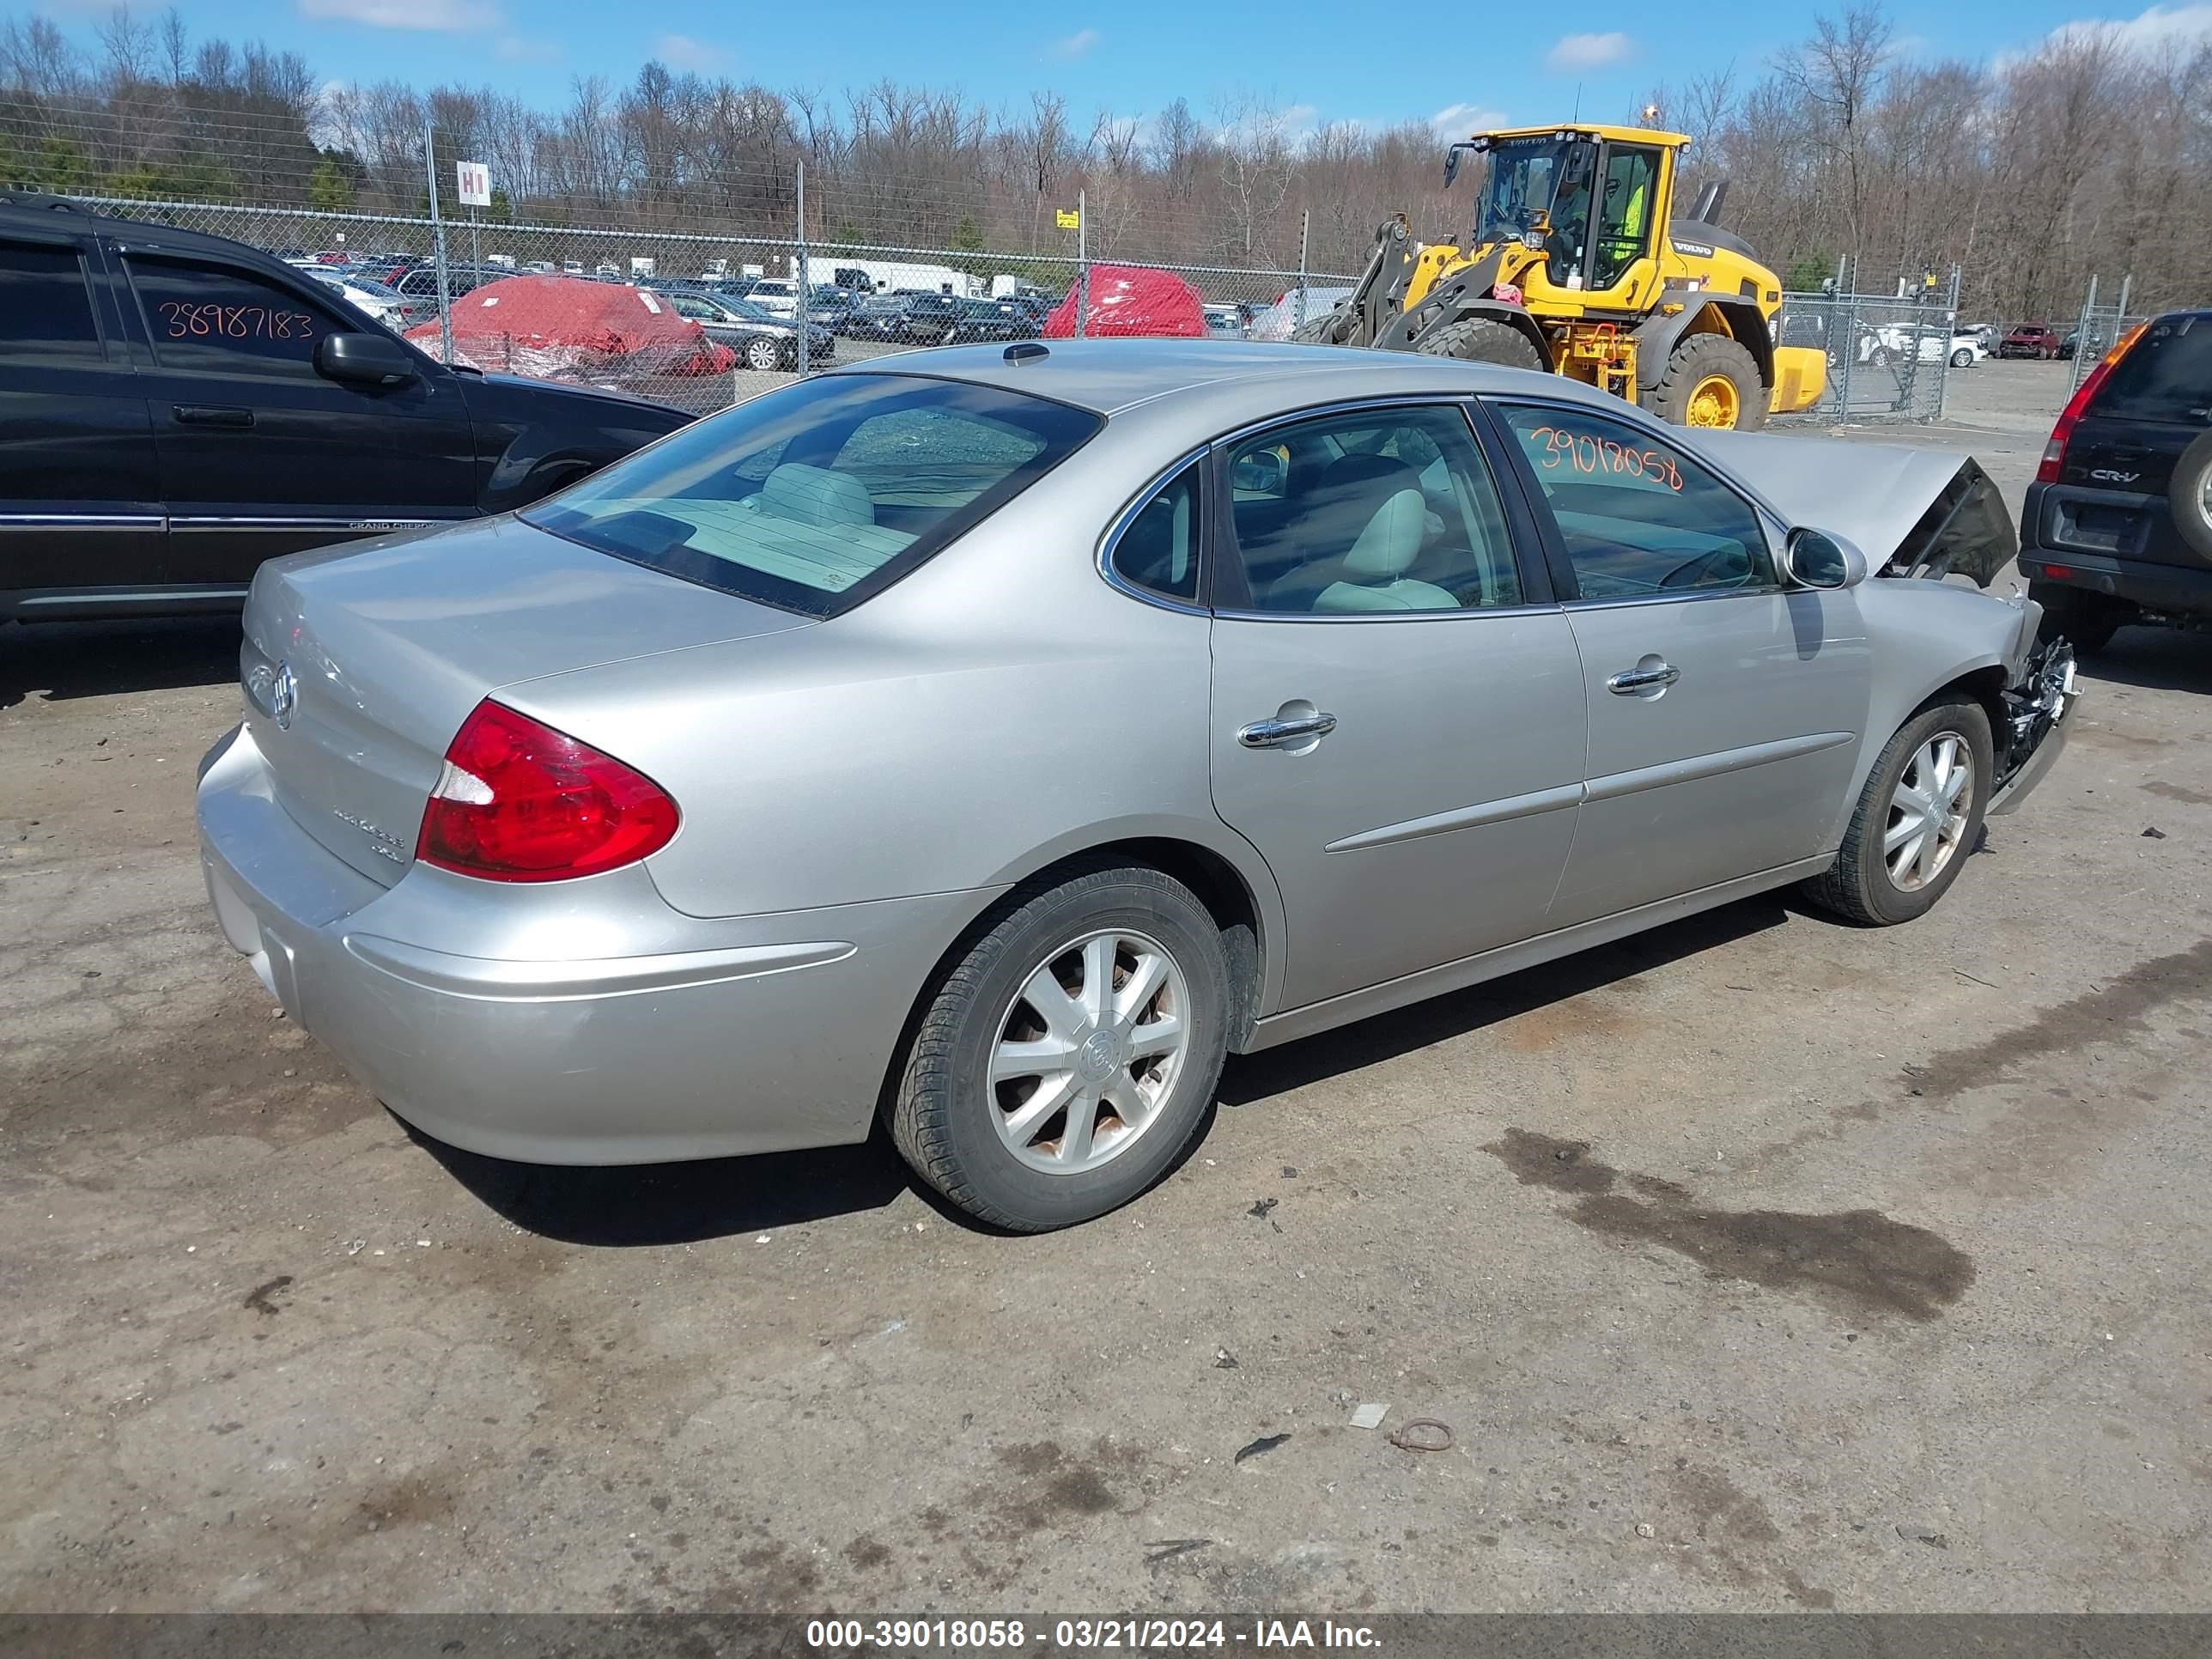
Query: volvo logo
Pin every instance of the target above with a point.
(284, 697)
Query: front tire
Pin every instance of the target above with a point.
(1962, 359)
(1318, 330)
(1482, 340)
(764, 356)
(1066, 1060)
(1712, 381)
(1917, 820)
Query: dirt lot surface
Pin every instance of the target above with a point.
(1759, 1263)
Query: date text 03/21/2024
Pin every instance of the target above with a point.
(1085, 1635)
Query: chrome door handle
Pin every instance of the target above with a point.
(1630, 681)
(1269, 733)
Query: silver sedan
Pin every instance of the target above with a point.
(994, 739)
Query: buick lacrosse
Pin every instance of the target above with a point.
(994, 739)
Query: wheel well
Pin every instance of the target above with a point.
(1741, 323)
(1986, 686)
(1216, 882)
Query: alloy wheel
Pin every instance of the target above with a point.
(1089, 1050)
(1928, 811)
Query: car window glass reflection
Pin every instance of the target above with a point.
(1638, 517)
(1371, 512)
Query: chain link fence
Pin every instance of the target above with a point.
(701, 321)
(1889, 359)
(2097, 329)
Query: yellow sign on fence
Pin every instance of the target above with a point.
(1069, 219)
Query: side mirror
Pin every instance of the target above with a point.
(376, 360)
(1260, 472)
(1813, 558)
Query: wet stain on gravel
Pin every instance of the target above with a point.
(2177, 791)
(261, 1297)
(2113, 1009)
(1858, 1260)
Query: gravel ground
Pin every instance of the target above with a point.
(1759, 1262)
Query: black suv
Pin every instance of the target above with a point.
(2118, 522)
(175, 408)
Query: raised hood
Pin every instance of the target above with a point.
(1912, 511)
(375, 652)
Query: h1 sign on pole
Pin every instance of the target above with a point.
(474, 178)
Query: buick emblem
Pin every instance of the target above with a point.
(284, 697)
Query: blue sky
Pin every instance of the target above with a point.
(1318, 61)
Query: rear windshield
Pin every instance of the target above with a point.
(2166, 376)
(815, 496)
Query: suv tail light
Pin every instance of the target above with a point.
(518, 801)
(2054, 452)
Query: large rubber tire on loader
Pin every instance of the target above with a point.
(1710, 381)
(1482, 340)
(1317, 330)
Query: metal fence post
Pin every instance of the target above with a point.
(1298, 312)
(2081, 336)
(805, 341)
(1082, 265)
(438, 241)
(1848, 350)
(2120, 315)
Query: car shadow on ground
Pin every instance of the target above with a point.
(54, 661)
(2156, 660)
(1255, 1078)
(661, 1203)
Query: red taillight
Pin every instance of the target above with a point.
(2054, 452)
(518, 801)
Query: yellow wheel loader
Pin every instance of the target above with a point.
(1577, 264)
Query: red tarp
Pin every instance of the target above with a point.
(1129, 299)
(570, 327)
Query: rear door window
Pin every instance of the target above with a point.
(815, 496)
(2166, 376)
(45, 309)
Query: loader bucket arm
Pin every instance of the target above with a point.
(1380, 293)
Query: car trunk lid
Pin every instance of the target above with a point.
(360, 663)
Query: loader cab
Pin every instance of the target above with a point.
(1589, 200)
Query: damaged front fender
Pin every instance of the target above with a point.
(2035, 724)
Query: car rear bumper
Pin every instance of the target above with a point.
(569, 1023)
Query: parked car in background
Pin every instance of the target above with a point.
(2030, 340)
(775, 294)
(1898, 342)
(909, 318)
(761, 340)
(376, 301)
(421, 282)
(645, 825)
(1276, 321)
(2072, 345)
(2118, 527)
(179, 407)
(1226, 322)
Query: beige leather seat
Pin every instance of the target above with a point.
(1367, 521)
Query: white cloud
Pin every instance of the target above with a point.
(2145, 34)
(1589, 51)
(2149, 34)
(1076, 44)
(520, 49)
(1458, 120)
(685, 51)
(450, 16)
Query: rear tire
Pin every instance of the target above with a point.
(958, 1115)
(1863, 885)
(1688, 389)
(2087, 621)
(1482, 340)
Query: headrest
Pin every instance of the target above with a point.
(816, 496)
